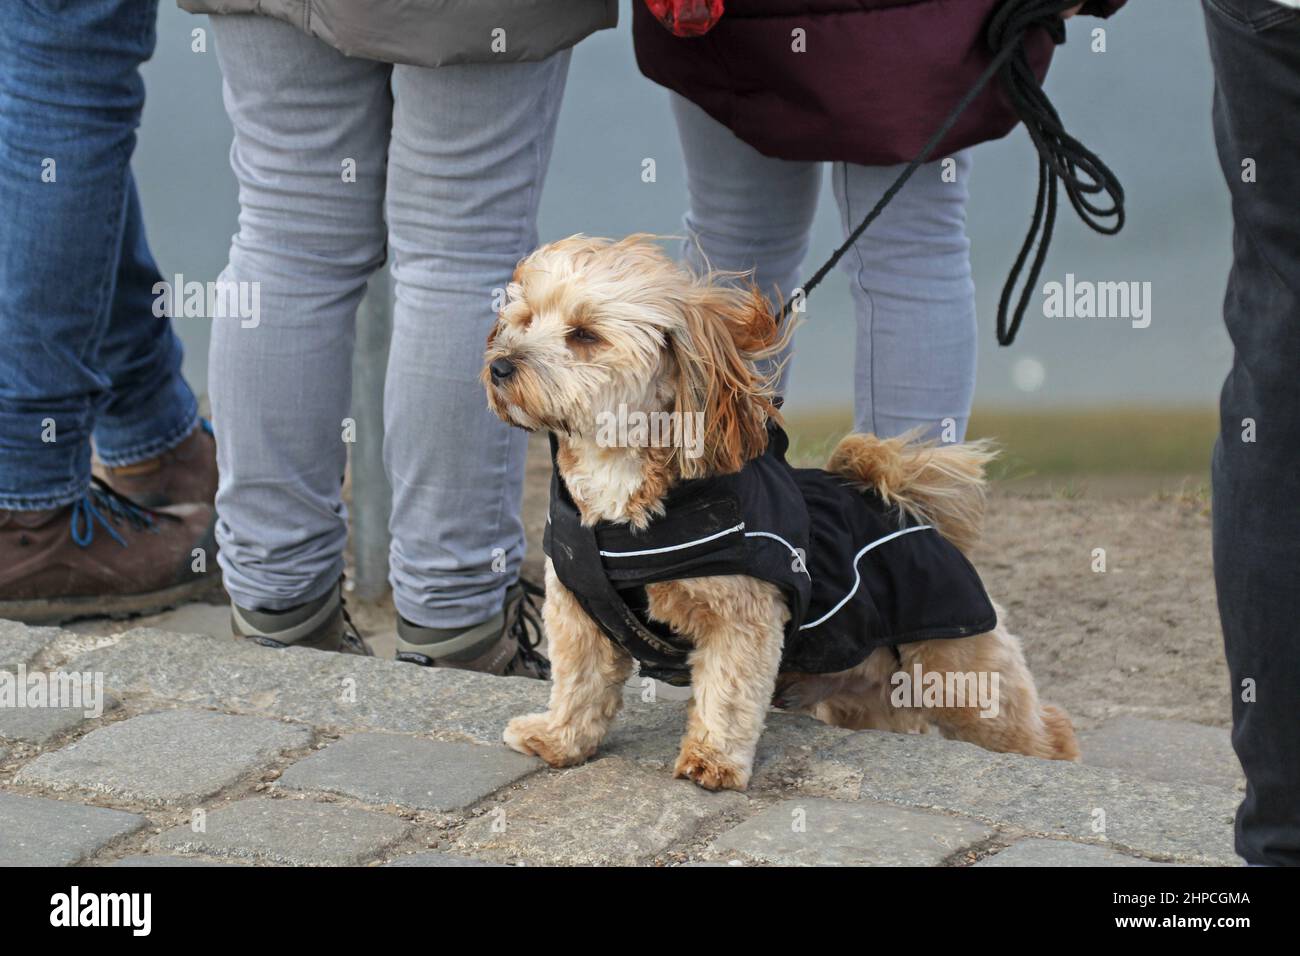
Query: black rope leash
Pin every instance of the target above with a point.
(1061, 157)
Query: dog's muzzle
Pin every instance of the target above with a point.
(501, 369)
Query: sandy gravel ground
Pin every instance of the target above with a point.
(1143, 637)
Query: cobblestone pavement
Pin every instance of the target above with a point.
(214, 752)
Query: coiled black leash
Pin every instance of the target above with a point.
(1061, 157)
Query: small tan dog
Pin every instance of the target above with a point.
(594, 327)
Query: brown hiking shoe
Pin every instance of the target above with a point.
(186, 474)
(103, 555)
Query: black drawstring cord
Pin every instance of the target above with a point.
(1060, 156)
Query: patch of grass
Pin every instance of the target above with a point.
(1189, 494)
(1044, 444)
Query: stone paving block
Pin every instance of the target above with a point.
(409, 771)
(19, 644)
(40, 725)
(819, 832)
(789, 743)
(609, 811)
(347, 693)
(1062, 853)
(145, 860)
(1176, 751)
(1185, 822)
(651, 734)
(724, 864)
(438, 858)
(336, 691)
(210, 619)
(198, 618)
(288, 832)
(168, 757)
(35, 831)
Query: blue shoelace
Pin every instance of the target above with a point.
(102, 504)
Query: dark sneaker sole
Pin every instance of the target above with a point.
(342, 648)
(64, 610)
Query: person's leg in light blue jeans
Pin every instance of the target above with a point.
(79, 342)
(469, 153)
(911, 277)
(748, 212)
(457, 155)
(310, 238)
(914, 298)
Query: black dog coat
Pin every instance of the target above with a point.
(855, 573)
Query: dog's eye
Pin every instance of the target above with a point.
(583, 336)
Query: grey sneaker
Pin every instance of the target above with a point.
(322, 624)
(517, 629)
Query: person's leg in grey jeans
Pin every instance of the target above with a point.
(1255, 45)
(911, 277)
(469, 152)
(457, 154)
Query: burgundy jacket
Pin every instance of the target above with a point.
(877, 78)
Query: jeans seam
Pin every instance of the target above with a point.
(871, 303)
(104, 298)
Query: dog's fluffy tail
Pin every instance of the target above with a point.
(938, 484)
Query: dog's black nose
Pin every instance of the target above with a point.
(501, 369)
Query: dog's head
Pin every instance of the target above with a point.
(597, 332)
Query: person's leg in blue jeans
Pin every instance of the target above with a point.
(1255, 46)
(84, 355)
(912, 289)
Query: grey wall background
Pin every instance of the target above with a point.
(1143, 105)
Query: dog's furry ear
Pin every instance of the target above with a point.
(724, 331)
(748, 316)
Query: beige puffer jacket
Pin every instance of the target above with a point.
(434, 32)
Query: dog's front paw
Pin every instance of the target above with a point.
(710, 768)
(532, 735)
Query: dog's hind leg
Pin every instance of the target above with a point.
(737, 625)
(588, 671)
(857, 699)
(1001, 710)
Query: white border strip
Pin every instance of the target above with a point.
(857, 576)
(672, 547)
(794, 552)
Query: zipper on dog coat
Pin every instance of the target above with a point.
(855, 573)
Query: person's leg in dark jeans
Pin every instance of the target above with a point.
(83, 351)
(1255, 45)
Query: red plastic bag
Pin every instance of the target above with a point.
(687, 18)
